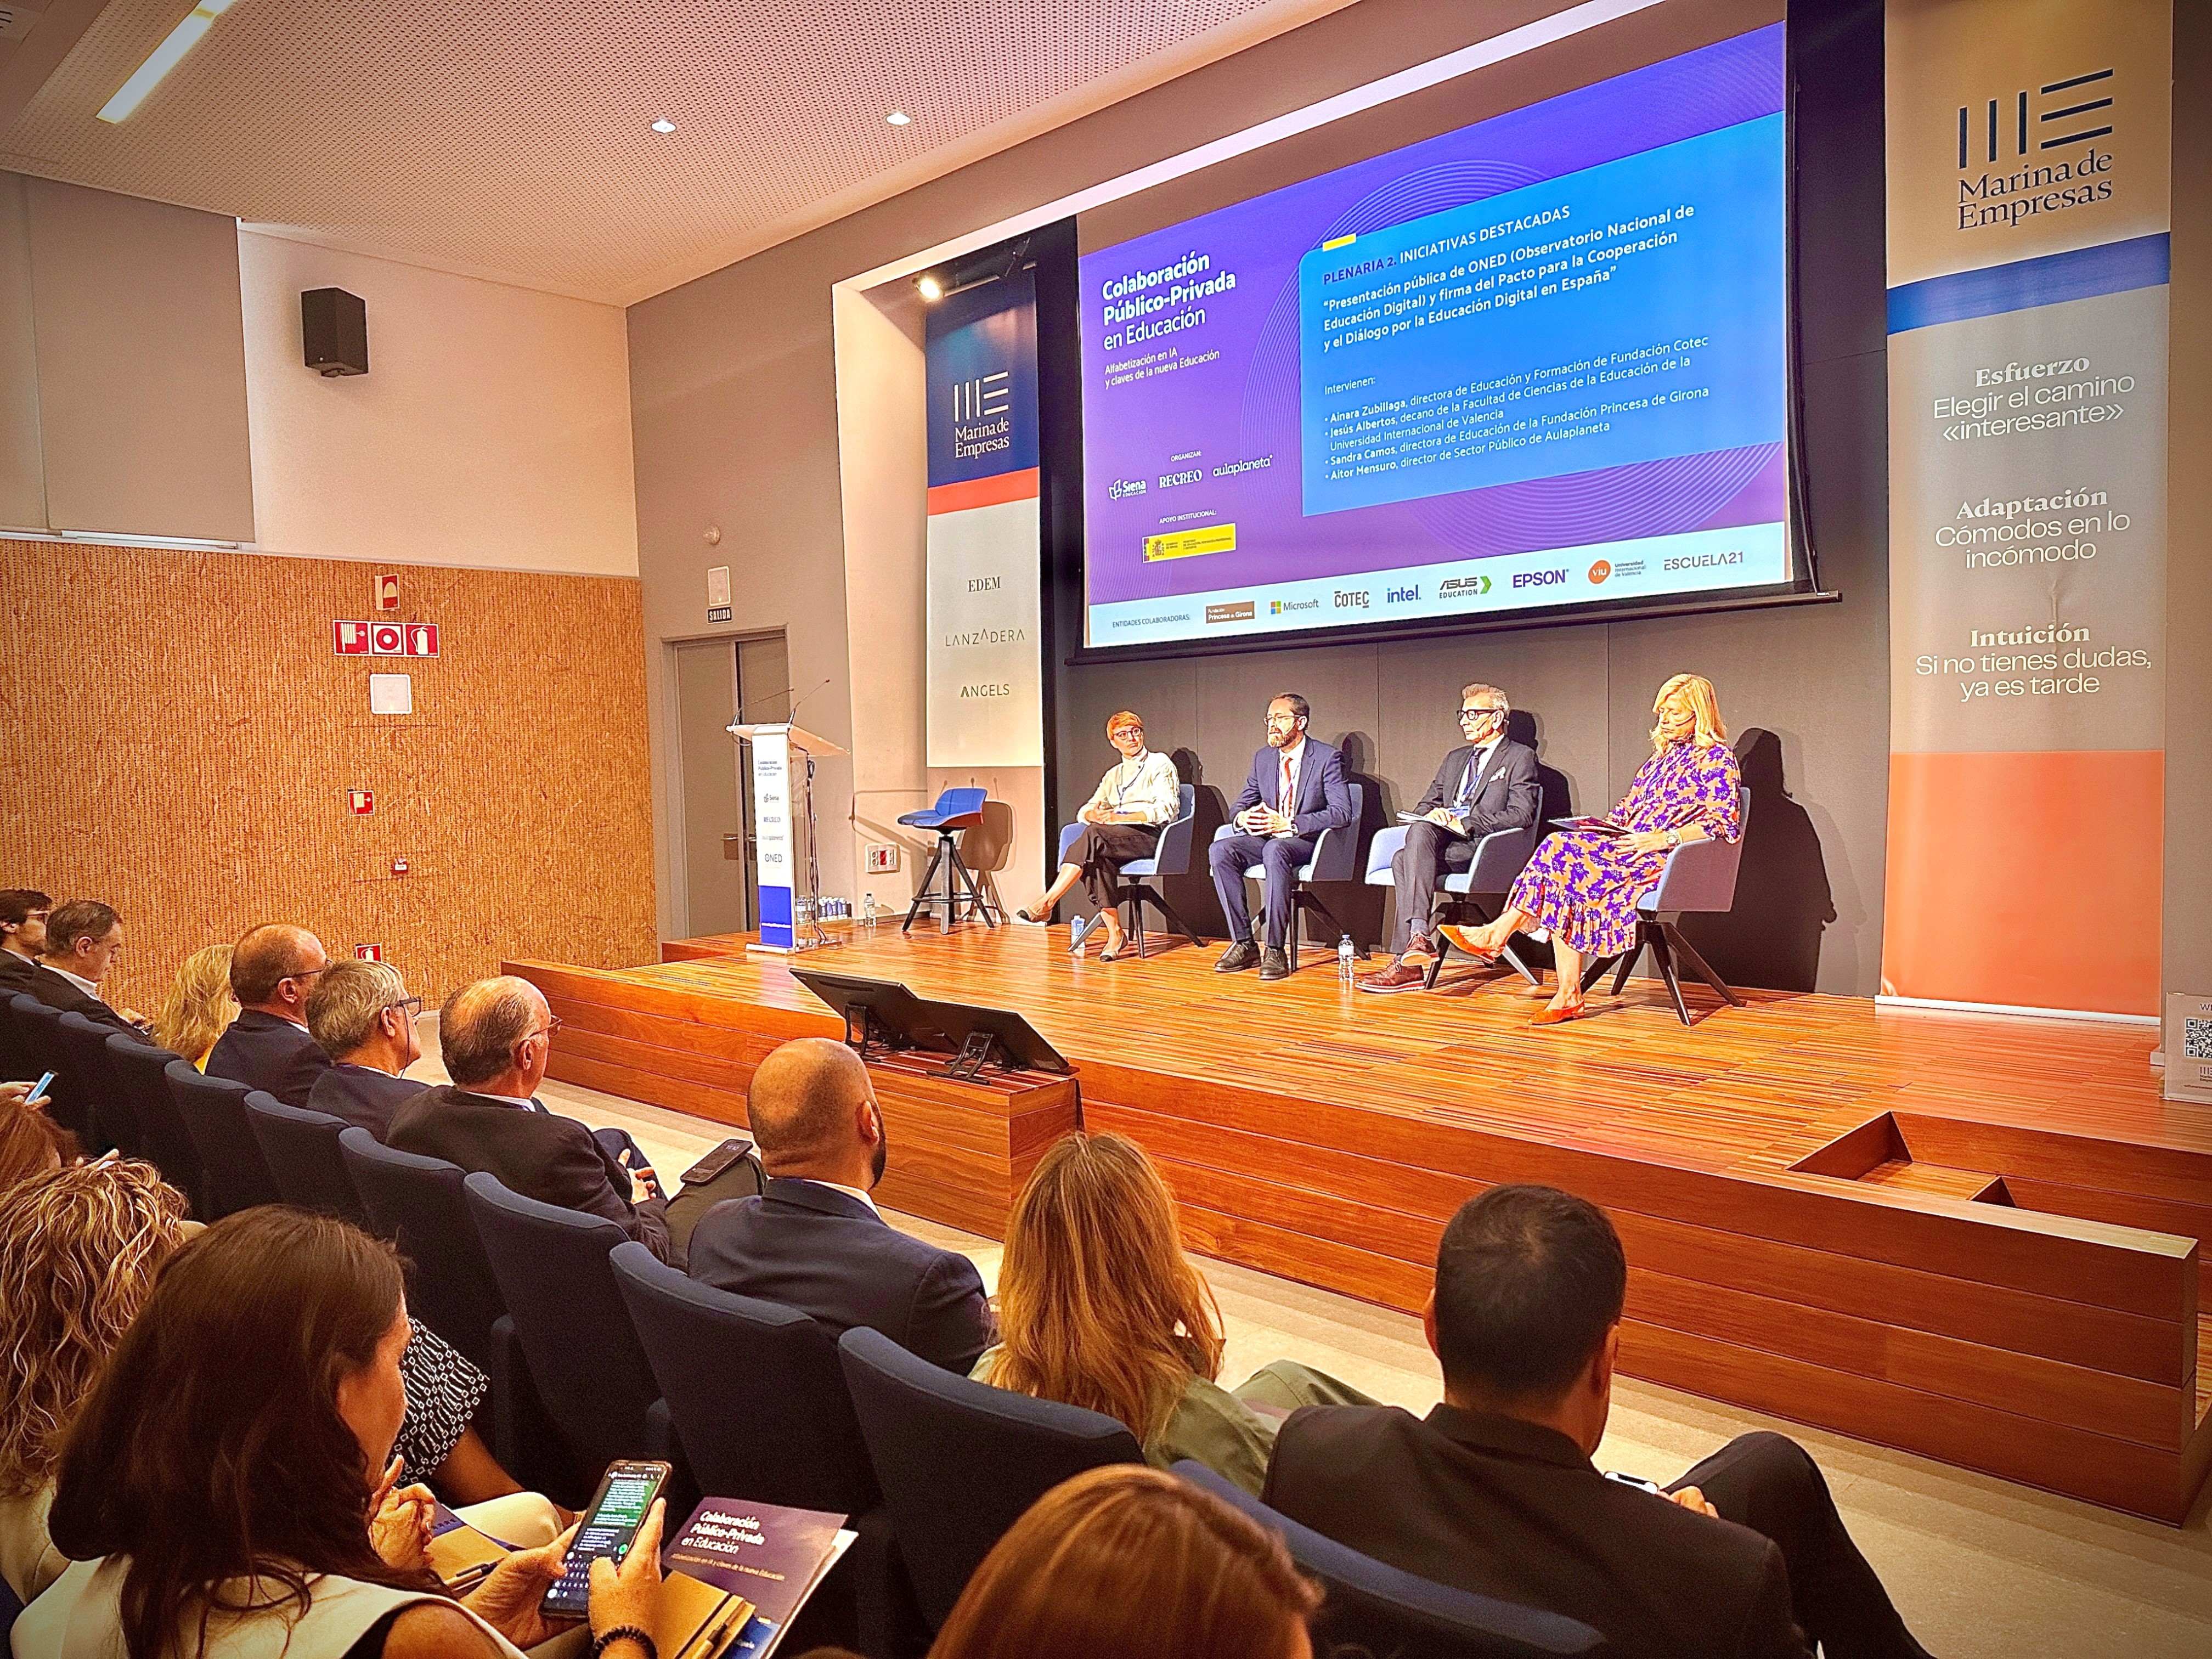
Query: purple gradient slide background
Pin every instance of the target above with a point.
(1246, 402)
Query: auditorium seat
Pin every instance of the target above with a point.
(91, 1085)
(40, 1030)
(759, 1405)
(1373, 1607)
(141, 1073)
(957, 810)
(587, 1366)
(1335, 858)
(1699, 877)
(214, 1111)
(1499, 857)
(960, 1462)
(421, 1204)
(1171, 857)
(302, 1149)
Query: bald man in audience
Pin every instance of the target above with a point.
(273, 970)
(495, 1035)
(814, 1240)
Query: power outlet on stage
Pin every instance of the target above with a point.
(881, 857)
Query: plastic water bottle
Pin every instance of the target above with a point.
(868, 911)
(1346, 955)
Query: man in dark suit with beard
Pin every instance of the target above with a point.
(1487, 783)
(1295, 790)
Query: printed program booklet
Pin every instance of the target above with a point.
(771, 1556)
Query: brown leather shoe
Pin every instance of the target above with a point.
(1400, 976)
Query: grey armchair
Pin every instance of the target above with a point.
(1699, 876)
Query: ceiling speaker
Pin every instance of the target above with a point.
(334, 329)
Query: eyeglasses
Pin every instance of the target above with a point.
(412, 1005)
(1465, 714)
(552, 1024)
(309, 973)
(1127, 732)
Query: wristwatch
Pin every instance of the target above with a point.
(1674, 838)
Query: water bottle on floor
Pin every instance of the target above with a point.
(1346, 955)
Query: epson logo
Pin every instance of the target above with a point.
(1354, 601)
(1539, 578)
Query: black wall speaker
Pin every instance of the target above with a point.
(334, 328)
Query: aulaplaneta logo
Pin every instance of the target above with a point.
(1599, 572)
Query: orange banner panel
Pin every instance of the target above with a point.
(2030, 879)
(1017, 486)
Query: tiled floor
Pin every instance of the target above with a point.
(1981, 1569)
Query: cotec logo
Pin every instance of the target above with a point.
(1351, 601)
(1538, 578)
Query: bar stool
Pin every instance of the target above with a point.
(955, 810)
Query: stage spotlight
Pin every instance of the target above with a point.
(664, 125)
(928, 287)
(898, 117)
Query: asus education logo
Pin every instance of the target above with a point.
(1463, 588)
(982, 399)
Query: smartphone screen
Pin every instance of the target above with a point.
(610, 1526)
(39, 1088)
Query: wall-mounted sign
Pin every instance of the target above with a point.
(387, 592)
(386, 640)
(360, 802)
(350, 639)
(391, 693)
(422, 639)
(370, 952)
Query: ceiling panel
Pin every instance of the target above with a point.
(510, 137)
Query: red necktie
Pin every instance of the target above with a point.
(1283, 794)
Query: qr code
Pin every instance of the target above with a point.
(2196, 1039)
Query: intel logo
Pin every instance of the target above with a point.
(1404, 595)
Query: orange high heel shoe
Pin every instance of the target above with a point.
(1558, 1016)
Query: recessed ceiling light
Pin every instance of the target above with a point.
(664, 124)
(164, 57)
(898, 117)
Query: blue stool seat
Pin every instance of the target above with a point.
(955, 810)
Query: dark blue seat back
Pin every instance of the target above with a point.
(302, 1149)
(214, 1111)
(756, 1392)
(1384, 1610)
(553, 1270)
(419, 1205)
(140, 1073)
(40, 1028)
(88, 1081)
(960, 1462)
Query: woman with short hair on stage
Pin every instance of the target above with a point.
(1582, 885)
(1140, 796)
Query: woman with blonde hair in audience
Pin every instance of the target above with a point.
(218, 1492)
(199, 1007)
(31, 1143)
(78, 1251)
(1098, 1307)
(1126, 1560)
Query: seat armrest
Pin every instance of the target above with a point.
(1068, 832)
(1383, 849)
(1698, 875)
(1223, 832)
(1499, 857)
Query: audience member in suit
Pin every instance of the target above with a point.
(1487, 783)
(1494, 1491)
(268, 1046)
(360, 1015)
(1295, 792)
(23, 912)
(495, 1035)
(84, 941)
(1098, 1307)
(199, 1007)
(1135, 1561)
(813, 1240)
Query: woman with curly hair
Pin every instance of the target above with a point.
(79, 1249)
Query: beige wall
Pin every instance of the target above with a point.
(491, 430)
(2189, 554)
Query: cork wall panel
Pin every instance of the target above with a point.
(178, 737)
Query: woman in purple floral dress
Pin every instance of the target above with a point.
(1582, 884)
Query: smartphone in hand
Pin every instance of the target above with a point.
(609, 1527)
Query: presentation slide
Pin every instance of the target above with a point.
(1539, 360)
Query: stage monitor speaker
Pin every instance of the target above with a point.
(334, 328)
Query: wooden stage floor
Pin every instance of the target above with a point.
(1975, 1238)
